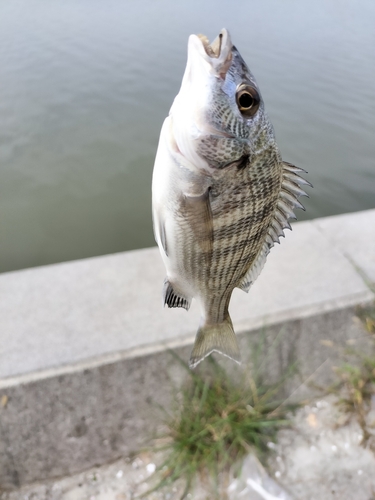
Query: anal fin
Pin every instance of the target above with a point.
(173, 299)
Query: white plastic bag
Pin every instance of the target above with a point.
(254, 483)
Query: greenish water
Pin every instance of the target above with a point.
(85, 86)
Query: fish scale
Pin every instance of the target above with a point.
(222, 195)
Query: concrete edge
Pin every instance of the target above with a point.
(95, 412)
(241, 328)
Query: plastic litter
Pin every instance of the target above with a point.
(254, 483)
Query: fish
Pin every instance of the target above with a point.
(221, 193)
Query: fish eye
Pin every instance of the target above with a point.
(248, 100)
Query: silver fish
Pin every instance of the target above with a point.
(221, 194)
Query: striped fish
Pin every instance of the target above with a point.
(222, 195)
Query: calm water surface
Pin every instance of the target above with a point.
(85, 86)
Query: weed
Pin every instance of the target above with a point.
(367, 316)
(217, 422)
(356, 387)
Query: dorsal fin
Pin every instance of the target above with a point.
(285, 205)
(288, 201)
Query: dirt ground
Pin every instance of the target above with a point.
(319, 457)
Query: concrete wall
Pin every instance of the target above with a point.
(84, 345)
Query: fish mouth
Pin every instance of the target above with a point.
(213, 49)
(218, 53)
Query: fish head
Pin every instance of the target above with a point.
(219, 104)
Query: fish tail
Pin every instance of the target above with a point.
(218, 337)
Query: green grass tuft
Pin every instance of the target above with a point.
(216, 423)
(367, 316)
(356, 378)
(357, 389)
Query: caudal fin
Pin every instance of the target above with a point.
(218, 337)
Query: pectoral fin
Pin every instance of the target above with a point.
(163, 237)
(198, 214)
(159, 231)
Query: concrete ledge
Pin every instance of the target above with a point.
(83, 345)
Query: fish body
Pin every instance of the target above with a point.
(221, 193)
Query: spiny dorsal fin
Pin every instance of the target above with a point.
(173, 299)
(288, 200)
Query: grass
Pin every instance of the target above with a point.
(367, 316)
(216, 423)
(356, 387)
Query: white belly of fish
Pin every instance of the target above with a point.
(174, 181)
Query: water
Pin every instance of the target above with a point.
(85, 86)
